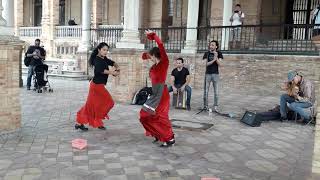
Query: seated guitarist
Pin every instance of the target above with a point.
(180, 78)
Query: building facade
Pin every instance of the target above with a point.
(68, 28)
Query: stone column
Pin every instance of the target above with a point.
(191, 40)
(10, 47)
(227, 12)
(8, 12)
(86, 25)
(3, 22)
(49, 20)
(97, 12)
(45, 27)
(85, 45)
(130, 38)
(18, 15)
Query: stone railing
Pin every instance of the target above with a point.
(110, 34)
(65, 49)
(68, 32)
(30, 31)
(108, 26)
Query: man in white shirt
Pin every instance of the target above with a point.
(315, 18)
(236, 20)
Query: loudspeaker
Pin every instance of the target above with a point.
(251, 119)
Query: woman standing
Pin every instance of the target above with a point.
(154, 115)
(99, 101)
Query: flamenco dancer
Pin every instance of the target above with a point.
(99, 101)
(154, 114)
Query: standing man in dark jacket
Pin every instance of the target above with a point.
(37, 55)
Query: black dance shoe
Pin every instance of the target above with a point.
(168, 143)
(102, 128)
(82, 127)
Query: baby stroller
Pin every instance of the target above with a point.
(41, 82)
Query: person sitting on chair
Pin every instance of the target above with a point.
(180, 78)
(298, 102)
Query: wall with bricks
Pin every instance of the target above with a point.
(10, 117)
(262, 74)
(132, 76)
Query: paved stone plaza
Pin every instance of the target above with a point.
(228, 150)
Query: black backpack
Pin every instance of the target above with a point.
(143, 95)
(27, 60)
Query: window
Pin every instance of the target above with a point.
(170, 5)
(170, 12)
(62, 12)
(37, 12)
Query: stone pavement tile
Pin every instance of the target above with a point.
(116, 177)
(145, 163)
(17, 172)
(132, 170)
(80, 163)
(174, 178)
(95, 152)
(129, 163)
(135, 177)
(65, 159)
(79, 158)
(30, 177)
(14, 177)
(127, 158)
(97, 167)
(73, 173)
(113, 165)
(65, 154)
(152, 175)
(279, 178)
(116, 171)
(96, 161)
(149, 168)
(185, 172)
(69, 163)
(82, 167)
(164, 167)
(18, 166)
(93, 176)
(99, 172)
(169, 173)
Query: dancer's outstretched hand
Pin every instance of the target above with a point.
(150, 34)
(145, 56)
(148, 31)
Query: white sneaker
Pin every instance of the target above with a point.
(215, 108)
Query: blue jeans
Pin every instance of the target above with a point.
(189, 91)
(214, 78)
(298, 107)
(29, 77)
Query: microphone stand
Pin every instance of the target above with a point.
(204, 108)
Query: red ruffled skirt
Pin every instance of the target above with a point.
(158, 125)
(99, 103)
